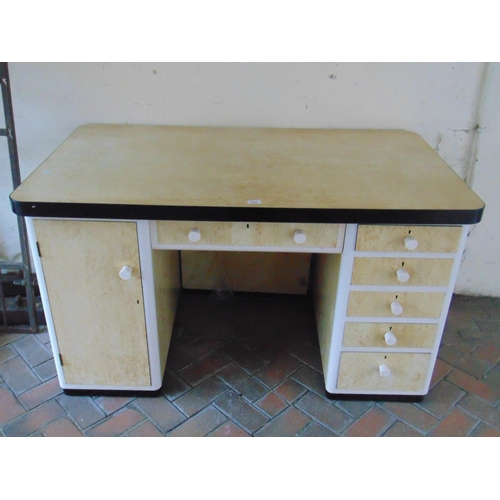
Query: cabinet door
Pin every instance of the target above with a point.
(98, 317)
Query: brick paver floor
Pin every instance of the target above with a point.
(227, 376)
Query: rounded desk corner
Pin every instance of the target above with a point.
(15, 205)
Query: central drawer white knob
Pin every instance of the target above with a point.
(410, 243)
(125, 273)
(299, 236)
(403, 275)
(396, 308)
(194, 235)
(384, 371)
(390, 338)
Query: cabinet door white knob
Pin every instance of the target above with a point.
(396, 308)
(194, 235)
(125, 273)
(299, 236)
(403, 275)
(410, 243)
(384, 371)
(390, 338)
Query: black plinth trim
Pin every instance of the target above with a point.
(375, 397)
(242, 214)
(113, 393)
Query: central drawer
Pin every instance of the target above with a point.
(385, 304)
(373, 371)
(249, 234)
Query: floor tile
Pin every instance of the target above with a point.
(481, 410)
(241, 412)
(144, 429)
(18, 375)
(287, 424)
(325, 413)
(441, 399)
(290, 390)
(34, 420)
(316, 430)
(110, 404)
(455, 424)
(354, 408)
(201, 424)
(204, 369)
(116, 424)
(250, 389)
(41, 393)
(411, 414)
(46, 371)
(470, 384)
(484, 430)
(232, 375)
(173, 386)
(278, 370)
(461, 357)
(400, 429)
(202, 347)
(10, 407)
(82, 409)
(310, 379)
(229, 429)
(163, 413)
(199, 397)
(7, 352)
(32, 350)
(373, 423)
(245, 358)
(271, 404)
(308, 355)
(62, 427)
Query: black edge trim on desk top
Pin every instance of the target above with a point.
(240, 214)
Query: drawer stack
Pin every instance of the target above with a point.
(401, 283)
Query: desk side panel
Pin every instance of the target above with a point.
(325, 280)
(166, 275)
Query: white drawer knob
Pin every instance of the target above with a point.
(299, 237)
(390, 338)
(384, 371)
(125, 273)
(403, 275)
(194, 235)
(396, 308)
(411, 243)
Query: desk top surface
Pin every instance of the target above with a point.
(259, 174)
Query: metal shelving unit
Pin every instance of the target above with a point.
(18, 313)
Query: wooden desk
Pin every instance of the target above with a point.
(109, 211)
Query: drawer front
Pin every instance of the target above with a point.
(407, 335)
(251, 234)
(401, 271)
(378, 304)
(362, 371)
(435, 239)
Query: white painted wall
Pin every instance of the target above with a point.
(437, 100)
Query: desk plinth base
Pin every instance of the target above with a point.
(391, 398)
(113, 393)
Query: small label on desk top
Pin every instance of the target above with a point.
(254, 202)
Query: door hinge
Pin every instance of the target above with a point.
(60, 359)
(38, 249)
